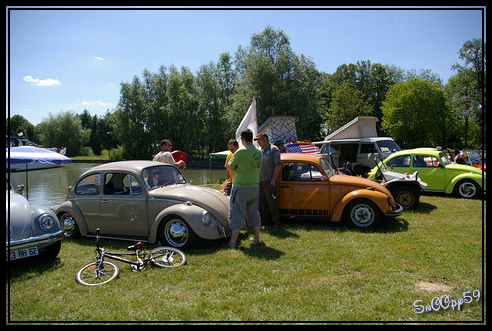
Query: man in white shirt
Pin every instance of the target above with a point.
(165, 155)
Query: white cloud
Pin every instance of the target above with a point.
(95, 103)
(41, 82)
(99, 58)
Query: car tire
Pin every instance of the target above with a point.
(467, 189)
(407, 196)
(175, 232)
(362, 213)
(69, 225)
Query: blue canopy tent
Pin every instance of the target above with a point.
(30, 157)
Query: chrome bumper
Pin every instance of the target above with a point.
(34, 241)
(397, 212)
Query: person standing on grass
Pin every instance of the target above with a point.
(246, 164)
(268, 183)
(227, 186)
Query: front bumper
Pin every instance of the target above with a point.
(34, 241)
(397, 212)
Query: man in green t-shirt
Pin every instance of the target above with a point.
(246, 164)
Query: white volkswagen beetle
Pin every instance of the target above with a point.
(30, 230)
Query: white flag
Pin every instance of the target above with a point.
(248, 122)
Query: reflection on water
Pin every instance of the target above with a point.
(48, 187)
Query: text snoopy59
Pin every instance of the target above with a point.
(445, 302)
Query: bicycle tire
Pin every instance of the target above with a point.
(167, 257)
(92, 274)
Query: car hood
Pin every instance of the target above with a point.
(19, 213)
(207, 198)
(464, 168)
(358, 182)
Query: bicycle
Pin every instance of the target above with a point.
(101, 272)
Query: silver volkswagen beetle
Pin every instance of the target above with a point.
(30, 230)
(144, 201)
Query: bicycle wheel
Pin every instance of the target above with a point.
(92, 274)
(167, 257)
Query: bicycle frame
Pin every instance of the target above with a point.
(135, 265)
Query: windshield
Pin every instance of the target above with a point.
(326, 167)
(159, 176)
(388, 146)
(445, 159)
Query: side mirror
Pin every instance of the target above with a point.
(20, 188)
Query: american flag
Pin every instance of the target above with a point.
(302, 147)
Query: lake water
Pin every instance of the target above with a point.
(48, 187)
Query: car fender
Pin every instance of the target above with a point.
(192, 214)
(475, 177)
(379, 198)
(72, 209)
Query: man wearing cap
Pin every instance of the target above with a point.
(270, 169)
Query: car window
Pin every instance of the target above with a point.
(368, 148)
(89, 185)
(400, 161)
(425, 161)
(327, 149)
(300, 172)
(388, 146)
(121, 183)
(162, 176)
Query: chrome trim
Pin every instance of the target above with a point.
(34, 241)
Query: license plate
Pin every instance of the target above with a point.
(22, 253)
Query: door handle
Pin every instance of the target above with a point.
(105, 201)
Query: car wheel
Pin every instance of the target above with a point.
(175, 232)
(467, 189)
(407, 196)
(362, 213)
(69, 225)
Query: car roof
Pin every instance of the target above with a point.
(299, 157)
(134, 166)
(420, 150)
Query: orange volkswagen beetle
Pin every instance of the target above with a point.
(309, 187)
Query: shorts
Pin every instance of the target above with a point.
(244, 207)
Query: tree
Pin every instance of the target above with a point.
(347, 103)
(63, 130)
(282, 82)
(415, 113)
(466, 90)
(17, 124)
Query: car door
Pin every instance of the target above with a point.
(430, 171)
(302, 191)
(87, 195)
(123, 206)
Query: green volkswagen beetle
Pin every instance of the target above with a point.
(438, 171)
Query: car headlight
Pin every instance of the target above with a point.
(206, 218)
(46, 222)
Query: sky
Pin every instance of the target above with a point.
(70, 60)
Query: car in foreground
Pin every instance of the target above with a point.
(31, 230)
(143, 201)
(308, 187)
(438, 171)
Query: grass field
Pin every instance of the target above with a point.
(307, 272)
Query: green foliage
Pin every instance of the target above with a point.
(415, 112)
(63, 130)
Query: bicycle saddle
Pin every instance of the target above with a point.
(135, 247)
